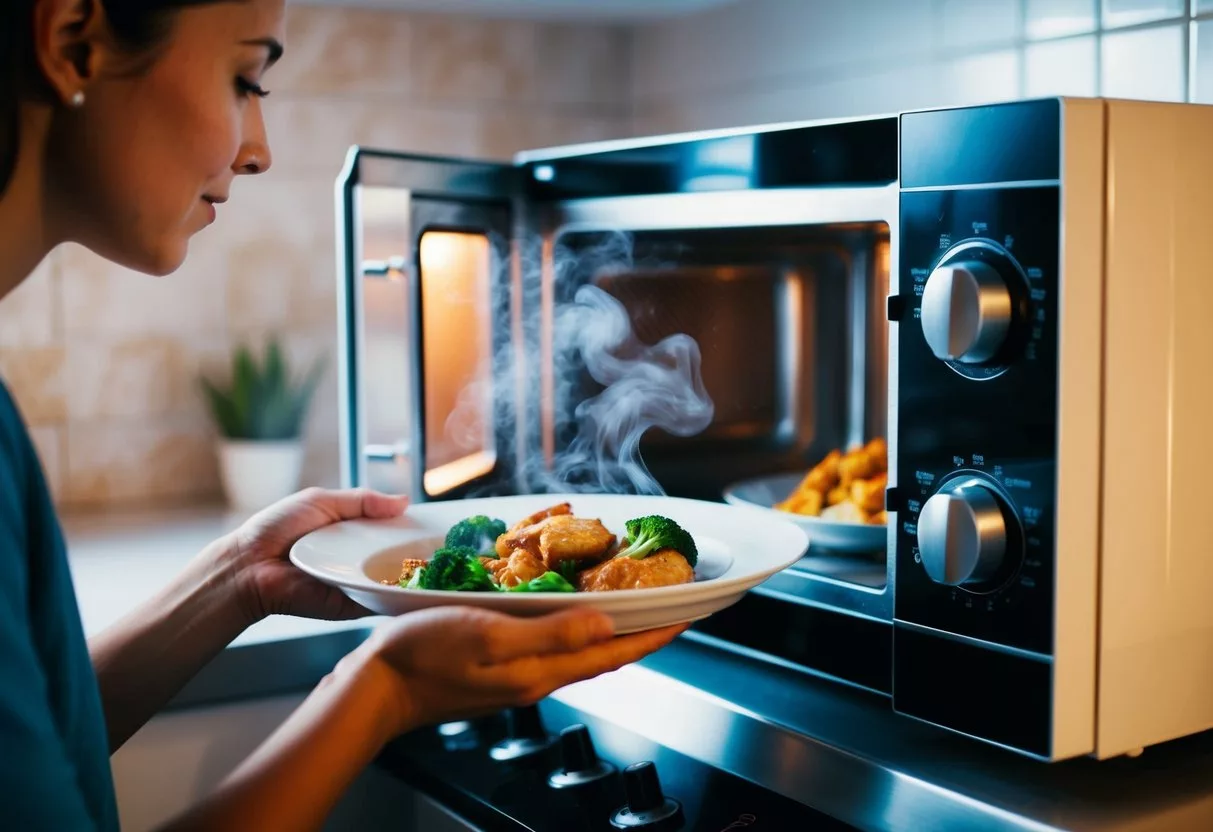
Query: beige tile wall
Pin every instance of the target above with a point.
(104, 362)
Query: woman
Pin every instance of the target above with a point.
(122, 126)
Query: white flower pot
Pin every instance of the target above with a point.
(257, 473)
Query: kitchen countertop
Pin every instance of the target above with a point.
(121, 558)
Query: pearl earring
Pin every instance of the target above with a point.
(78, 99)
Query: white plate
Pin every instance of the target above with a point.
(739, 547)
(829, 534)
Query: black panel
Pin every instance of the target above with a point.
(1001, 428)
(1000, 143)
(849, 153)
(984, 693)
(847, 647)
(458, 772)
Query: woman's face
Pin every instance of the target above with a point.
(150, 155)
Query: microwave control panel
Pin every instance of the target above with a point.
(976, 390)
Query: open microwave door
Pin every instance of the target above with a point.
(425, 279)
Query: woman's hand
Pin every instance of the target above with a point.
(447, 663)
(267, 583)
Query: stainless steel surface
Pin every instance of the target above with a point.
(966, 311)
(735, 209)
(962, 535)
(844, 752)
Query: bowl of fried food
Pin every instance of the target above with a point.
(839, 501)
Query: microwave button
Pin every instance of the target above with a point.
(966, 312)
(962, 534)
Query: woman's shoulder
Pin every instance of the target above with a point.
(15, 443)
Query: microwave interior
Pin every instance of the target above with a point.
(788, 323)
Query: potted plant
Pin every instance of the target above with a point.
(260, 416)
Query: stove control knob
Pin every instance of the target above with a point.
(962, 534)
(581, 762)
(526, 735)
(647, 808)
(966, 311)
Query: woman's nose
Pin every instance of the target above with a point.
(254, 156)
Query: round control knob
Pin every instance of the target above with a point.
(581, 763)
(526, 734)
(648, 808)
(962, 534)
(966, 311)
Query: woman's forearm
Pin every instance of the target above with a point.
(143, 660)
(295, 778)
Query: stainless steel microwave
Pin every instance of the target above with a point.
(1013, 296)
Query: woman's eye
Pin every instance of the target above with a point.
(248, 87)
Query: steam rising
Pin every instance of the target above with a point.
(645, 386)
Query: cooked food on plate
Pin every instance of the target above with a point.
(555, 551)
(844, 487)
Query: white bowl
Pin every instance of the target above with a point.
(765, 492)
(739, 548)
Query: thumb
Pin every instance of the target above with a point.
(352, 503)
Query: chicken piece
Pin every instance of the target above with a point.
(880, 518)
(824, 475)
(521, 566)
(803, 501)
(856, 465)
(869, 494)
(559, 538)
(878, 450)
(665, 567)
(521, 530)
(583, 540)
(838, 495)
(408, 567)
(551, 511)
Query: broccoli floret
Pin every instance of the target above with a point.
(455, 569)
(567, 569)
(547, 582)
(648, 534)
(414, 582)
(478, 532)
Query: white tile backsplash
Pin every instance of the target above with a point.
(1202, 47)
(992, 76)
(1058, 18)
(1144, 63)
(969, 25)
(1061, 67)
(1131, 12)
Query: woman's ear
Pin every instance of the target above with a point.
(69, 45)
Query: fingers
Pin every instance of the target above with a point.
(353, 503)
(565, 631)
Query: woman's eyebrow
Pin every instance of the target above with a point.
(269, 43)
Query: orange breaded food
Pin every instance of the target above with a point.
(521, 566)
(847, 487)
(408, 567)
(664, 567)
(558, 538)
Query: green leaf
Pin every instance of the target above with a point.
(262, 401)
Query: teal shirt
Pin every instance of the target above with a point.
(54, 750)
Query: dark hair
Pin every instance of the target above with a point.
(137, 26)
